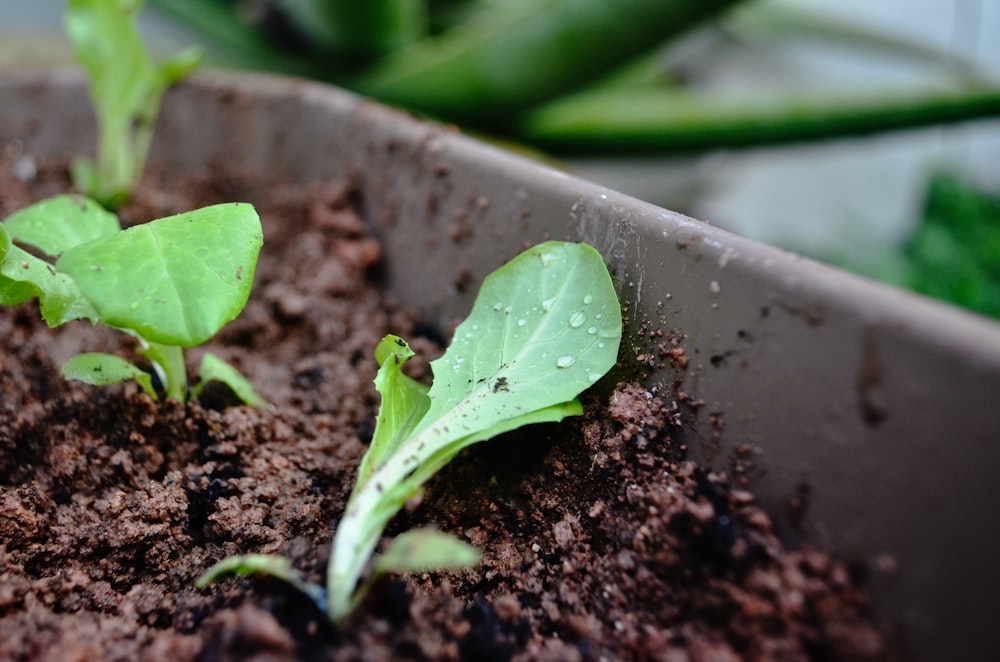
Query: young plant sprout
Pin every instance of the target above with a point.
(544, 327)
(172, 283)
(126, 87)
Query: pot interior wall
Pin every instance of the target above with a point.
(873, 410)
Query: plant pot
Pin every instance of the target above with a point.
(864, 418)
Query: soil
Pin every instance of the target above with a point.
(600, 540)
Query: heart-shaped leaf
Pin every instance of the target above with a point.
(176, 280)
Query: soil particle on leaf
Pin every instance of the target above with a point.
(600, 540)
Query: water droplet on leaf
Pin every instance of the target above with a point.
(577, 319)
(565, 361)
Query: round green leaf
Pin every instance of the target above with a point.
(61, 222)
(426, 550)
(100, 369)
(176, 280)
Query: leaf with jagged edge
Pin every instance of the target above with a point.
(24, 276)
(544, 327)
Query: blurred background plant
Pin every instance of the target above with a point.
(746, 113)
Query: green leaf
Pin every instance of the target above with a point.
(179, 66)
(263, 564)
(24, 276)
(126, 87)
(100, 369)
(61, 222)
(176, 280)
(544, 327)
(404, 402)
(215, 369)
(426, 550)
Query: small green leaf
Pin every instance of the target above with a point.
(180, 65)
(61, 222)
(404, 402)
(24, 276)
(263, 564)
(176, 280)
(215, 369)
(100, 369)
(426, 550)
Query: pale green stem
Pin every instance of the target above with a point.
(168, 360)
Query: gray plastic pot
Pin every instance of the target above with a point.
(877, 411)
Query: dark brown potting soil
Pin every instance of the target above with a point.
(599, 540)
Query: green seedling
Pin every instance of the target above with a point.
(544, 327)
(172, 283)
(126, 87)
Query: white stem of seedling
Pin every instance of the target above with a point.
(168, 361)
(367, 514)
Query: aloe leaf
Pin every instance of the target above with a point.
(215, 369)
(544, 327)
(647, 120)
(357, 30)
(24, 276)
(176, 280)
(100, 369)
(511, 55)
(60, 223)
(426, 550)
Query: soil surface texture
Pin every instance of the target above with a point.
(600, 540)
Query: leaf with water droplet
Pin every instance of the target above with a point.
(503, 377)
